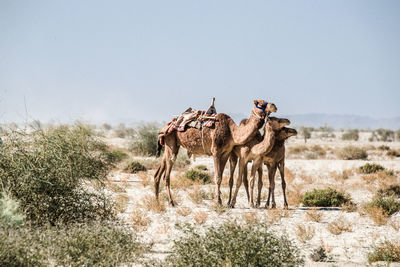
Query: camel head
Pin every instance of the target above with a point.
(277, 123)
(263, 108)
(285, 133)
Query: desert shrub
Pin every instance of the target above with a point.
(384, 135)
(339, 226)
(351, 135)
(297, 149)
(385, 251)
(135, 166)
(352, 152)
(371, 168)
(182, 160)
(106, 126)
(319, 255)
(116, 155)
(232, 244)
(145, 139)
(392, 190)
(389, 204)
(197, 175)
(45, 172)
(88, 244)
(383, 147)
(393, 153)
(122, 131)
(10, 214)
(318, 150)
(306, 133)
(325, 198)
(201, 167)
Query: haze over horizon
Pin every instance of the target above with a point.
(106, 61)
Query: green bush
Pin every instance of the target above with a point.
(352, 152)
(385, 251)
(351, 135)
(325, 198)
(231, 244)
(371, 168)
(135, 166)
(116, 155)
(145, 140)
(197, 175)
(392, 190)
(201, 167)
(91, 244)
(45, 170)
(390, 204)
(10, 214)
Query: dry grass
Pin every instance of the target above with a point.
(144, 178)
(304, 233)
(275, 215)
(342, 176)
(377, 214)
(150, 163)
(149, 202)
(349, 207)
(139, 220)
(163, 229)
(394, 223)
(289, 175)
(314, 215)
(306, 178)
(197, 195)
(181, 182)
(250, 217)
(294, 194)
(200, 217)
(297, 149)
(183, 211)
(220, 209)
(339, 226)
(121, 203)
(114, 187)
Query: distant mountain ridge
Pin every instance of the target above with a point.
(336, 121)
(344, 121)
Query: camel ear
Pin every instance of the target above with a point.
(256, 102)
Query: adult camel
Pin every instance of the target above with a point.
(216, 141)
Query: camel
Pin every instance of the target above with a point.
(254, 150)
(275, 158)
(217, 141)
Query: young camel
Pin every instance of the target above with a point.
(254, 150)
(275, 157)
(217, 141)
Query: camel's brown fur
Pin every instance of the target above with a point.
(254, 150)
(217, 141)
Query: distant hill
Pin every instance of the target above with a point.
(344, 121)
(336, 121)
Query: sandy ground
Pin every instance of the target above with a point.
(349, 248)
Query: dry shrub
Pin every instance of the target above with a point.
(144, 178)
(250, 217)
(342, 176)
(314, 215)
(352, 153)
(163, 229)
(377, 214)
(294, 195)
(297, 149)
(339, 226)
(386, 251)
(349, 206)
(114, 187)
(181, 182)
(289, 176)
(395, 224)
(317, 149)
(150, 163)
(149, 202)
(304, 233)
(197, 195)
(220, 209)
(121, 203)
(306, 178)
(200, 217)
(183, 211)
(275, 215)
(139, 220)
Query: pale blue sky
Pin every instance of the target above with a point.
(147, 60)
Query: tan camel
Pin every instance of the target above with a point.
(254, 150)
(217, 141)
(275, 158)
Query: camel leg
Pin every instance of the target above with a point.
(238, 183)
(271, 176)
(232, 165)
(281, 166)
(254, 168)
(157, 176)
(171, 151)
(224, 158)
(260, 185)
(217, 166)
(246, 182)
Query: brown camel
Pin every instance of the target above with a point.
(254, 150)
(275, 158)
(217, 141)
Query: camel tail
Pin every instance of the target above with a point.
(159, 147)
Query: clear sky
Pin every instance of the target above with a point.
(108, 61)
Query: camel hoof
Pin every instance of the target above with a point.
(273, 206)
(285, 207)
(172, 204)
(232, 205)
(257, 205)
